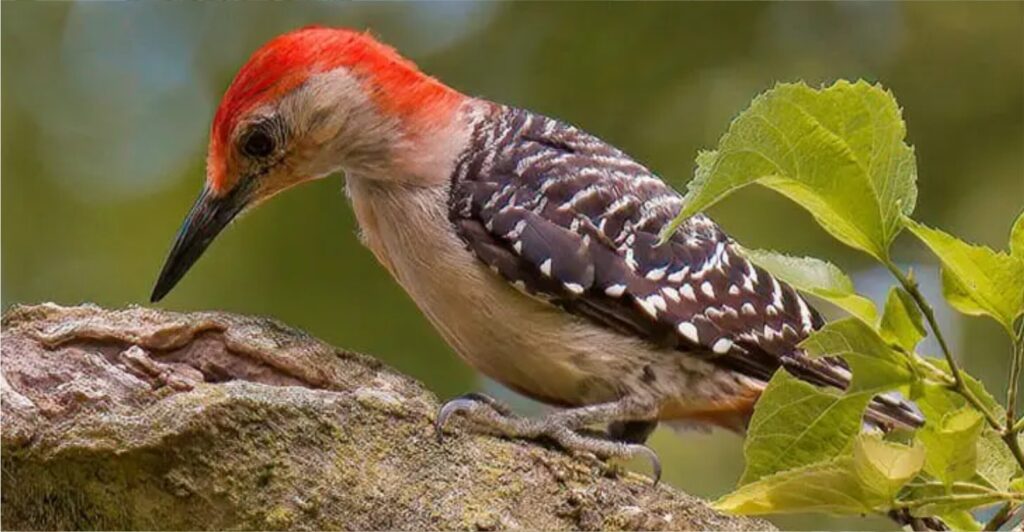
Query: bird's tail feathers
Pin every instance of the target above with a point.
(890, 411)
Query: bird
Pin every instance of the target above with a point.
(530, 245)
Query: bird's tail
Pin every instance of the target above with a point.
(890, 411)
(887, 411)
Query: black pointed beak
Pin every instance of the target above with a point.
(208, 217)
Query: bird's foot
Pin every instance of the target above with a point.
(564, 427)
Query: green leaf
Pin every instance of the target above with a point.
(815, 277)
(975, 386)
(796, 423)
(956, 294)
(960, 520)
(901, 321)
(865, 482)
(952, 445)
(993, 282)
(876, 367)
(831, 487)
(838, 152)
(933, 498)
(995, 463)
(936, 401)
(885, 467)
(1017, 237)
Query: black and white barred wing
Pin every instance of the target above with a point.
(567, 218)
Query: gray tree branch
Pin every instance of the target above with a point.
(146, 419)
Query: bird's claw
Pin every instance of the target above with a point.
(491, 413)
(653, 458)
(446, 411)
(467, 403)
(603, 448)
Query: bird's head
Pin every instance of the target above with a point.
(307, 104)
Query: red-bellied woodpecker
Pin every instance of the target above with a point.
(530, 245)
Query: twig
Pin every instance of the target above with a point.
(959, 385)
(1014, 382)
(1013, 425)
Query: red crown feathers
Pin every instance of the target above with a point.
(394, 83)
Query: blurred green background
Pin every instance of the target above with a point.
(106, 109)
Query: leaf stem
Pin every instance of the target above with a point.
(962, 497)
(959, 485)
(959, 385)
(1012, 427)
(911, 287)
(937, 373)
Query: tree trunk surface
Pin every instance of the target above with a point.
(146, 419)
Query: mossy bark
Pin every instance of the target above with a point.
(145, 419)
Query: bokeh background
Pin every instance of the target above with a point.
(106, 108)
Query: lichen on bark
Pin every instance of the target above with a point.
(147, 419)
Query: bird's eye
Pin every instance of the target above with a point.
(257, 143)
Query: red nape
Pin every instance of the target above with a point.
(284, 63)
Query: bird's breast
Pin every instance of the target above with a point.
(527, 344)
